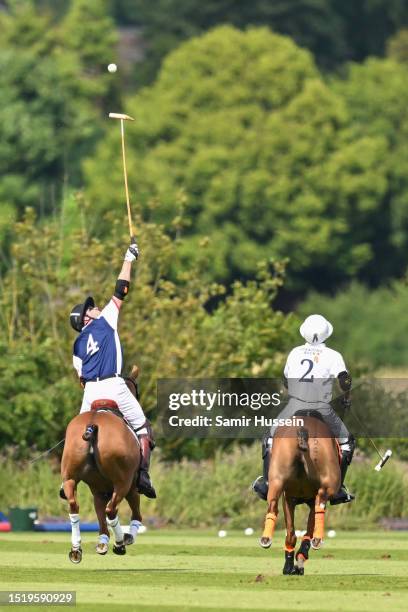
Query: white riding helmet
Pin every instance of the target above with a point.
(316, 329)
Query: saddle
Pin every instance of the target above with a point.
(106, 404)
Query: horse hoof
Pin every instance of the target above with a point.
(316, 543)
(75, 556)
(128, 539)
(102, 548)
(265, 542)
(119, 549)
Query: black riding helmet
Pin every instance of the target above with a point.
(76, 318)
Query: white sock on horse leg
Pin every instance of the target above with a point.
(75, 531)
(134, 528)
(103, 538)
(115, 525)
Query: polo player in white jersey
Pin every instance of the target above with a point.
(310, 372)
(97, 358)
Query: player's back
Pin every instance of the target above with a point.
(311, 371)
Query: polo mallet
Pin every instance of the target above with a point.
(122, 132)
(383, 458)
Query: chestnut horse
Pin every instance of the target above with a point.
(304, 466)
(102, 451)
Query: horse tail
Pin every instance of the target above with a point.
(303, 439)
(91, 431)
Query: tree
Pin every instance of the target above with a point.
(265, 153)
(333, 30)
(48, 120)
(397, 46)
(89, 32)
(376, 95)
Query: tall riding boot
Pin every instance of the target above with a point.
(343, 496)
(144, 483)
(260, 485)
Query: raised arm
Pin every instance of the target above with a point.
(123, 282)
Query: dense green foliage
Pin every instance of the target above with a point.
(275, 162)
(242, 151)
(272, 159)
(334, 30)
(53, 90)
(370, 326)
(164, 327)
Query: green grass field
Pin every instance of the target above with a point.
(194, 570)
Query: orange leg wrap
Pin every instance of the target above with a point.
(319, 523)
(269, 527)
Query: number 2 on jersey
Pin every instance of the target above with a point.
(91, 346)
(309, 369)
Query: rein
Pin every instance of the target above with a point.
(47, 452)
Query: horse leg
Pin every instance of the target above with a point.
(103, 541)
(114, 523)
(302, 554)
(319, 515)
(133, 499)
(274, 493)
(75, 554)
(290, 541)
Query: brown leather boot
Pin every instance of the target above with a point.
(144, 483)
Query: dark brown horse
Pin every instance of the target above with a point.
(304, 466)
(107, 459)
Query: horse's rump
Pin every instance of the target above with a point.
(112, 453)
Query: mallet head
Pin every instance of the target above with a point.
(383, 461)
(120, 116)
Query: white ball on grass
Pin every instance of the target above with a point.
(112, 68)
(222, 533)
(249, 531)
(331, 533)
(142, 529)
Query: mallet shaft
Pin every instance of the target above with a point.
(122, 131)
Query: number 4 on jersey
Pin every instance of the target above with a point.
(91, 346)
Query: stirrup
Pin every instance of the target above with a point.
(342, 497)
(260, 488)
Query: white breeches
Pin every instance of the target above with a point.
(117, 390)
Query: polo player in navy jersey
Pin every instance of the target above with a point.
(98, 358)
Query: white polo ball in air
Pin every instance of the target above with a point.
(112, 68)
(249, 531)
(142, 529)
(222, 533)
(331, 533)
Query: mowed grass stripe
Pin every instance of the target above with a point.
(359, 577)
(330, 550)
(234, 540)
(195, 598)
(161, 573)
(154, 564)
